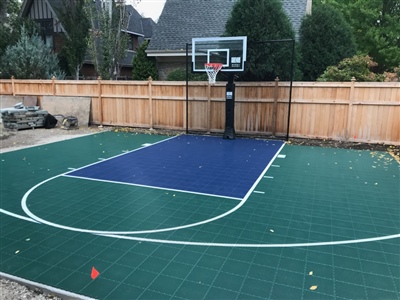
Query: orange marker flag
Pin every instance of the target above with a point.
(94, 273)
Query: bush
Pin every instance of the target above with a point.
(180, 75)
(143, 66)
(359, 67)
(30, 58)
(325, 39)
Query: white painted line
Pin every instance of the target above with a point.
(71, 169)
(101, 158)
(258, 192)
(146, 144)
(17, 216)
(152, 187)
(275, 166)
(333, 243)
(46, 288)
(269, 177)
(282, 156)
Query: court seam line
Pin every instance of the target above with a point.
(11, 214)
(45, 287)
(151, 186)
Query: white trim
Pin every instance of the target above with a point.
(132, 32)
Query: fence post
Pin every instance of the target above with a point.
(350, 109)
(12, 85)
(150, 81)
(53, 85)
(275, 108)
(100, 100)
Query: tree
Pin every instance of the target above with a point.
(107, 42)
(376, 27)
(30, 58)
(74, 19)
(325, 39)
(359, 66)
(143, 66)
(260, 21)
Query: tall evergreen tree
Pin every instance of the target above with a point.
(30, 58)
(143, 66)
(74, 19)
(260, 21)
(325, 39)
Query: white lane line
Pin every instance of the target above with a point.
(258, 192)
(146, 144)
(282, 156)
(270, 177)
(315, 244)
(6, 212)
(275, 166)
(71, 169)
(46, 288)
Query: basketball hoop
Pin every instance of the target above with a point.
(212, 70)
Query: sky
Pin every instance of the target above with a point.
(148, 8)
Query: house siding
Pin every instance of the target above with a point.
(40, 10)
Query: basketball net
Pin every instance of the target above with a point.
(212, 70)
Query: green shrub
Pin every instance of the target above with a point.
(180, 75)
(30, 58)
(359, 67)
(143, 66)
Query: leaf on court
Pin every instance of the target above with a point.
(310, 273)
(28, 239)
(314, 287)
(271, 230)
(16, 252)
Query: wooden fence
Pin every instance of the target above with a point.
(354, 111)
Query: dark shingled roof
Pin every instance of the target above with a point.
(182, 20)
(148, 27)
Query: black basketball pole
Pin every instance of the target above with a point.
(230, 109)
(290, 90)
(187, 88)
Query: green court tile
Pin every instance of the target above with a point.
(165, 252)
(235, 267)
(285, 292)
(98, 287)
(53, 257)
(379, 282)
(165, 285)
(188, 257)
(350, 291)
(202, 275)
(320, 257)
(381, 294)
(117, 272)
(150, 294)
(144, 248)
(256, 288)
(125, 292)
(192, 290)
(294, 265)
(264, 259)
(73, 262)
(52, 276)
(220, 293)
(111, 255)
(223, 252)
(261, 273)
(376, 268)
(289, 278)
(321, 270)
(154, 264)
(31, 270)
(34, 252)
(16, 262)
(349, 276)
(140, 278)
(70, 245)
(242, 254)
(372, 256)
(179, 270)
(229, 281)
(211, 262)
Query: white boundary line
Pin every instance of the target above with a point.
(6, 212)
(46, 288)
(101, 232)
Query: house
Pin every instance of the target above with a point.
(44, 12)
(180, 21)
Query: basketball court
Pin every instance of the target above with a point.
(134, 216)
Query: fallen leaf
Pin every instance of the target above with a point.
(314, 287)
(311, 273)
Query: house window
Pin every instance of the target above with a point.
(133, 43)
(46, 31)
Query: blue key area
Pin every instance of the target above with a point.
(201, 164)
